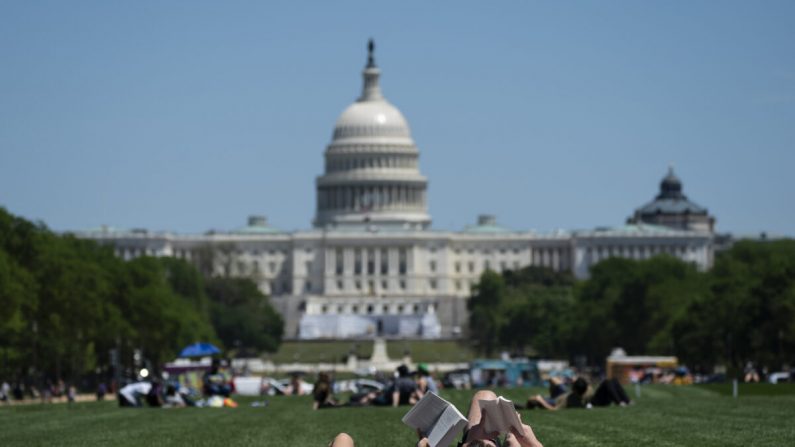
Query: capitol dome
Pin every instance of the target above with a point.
(371, 119)
(371, 172)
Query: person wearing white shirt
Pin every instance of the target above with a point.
(130, 395)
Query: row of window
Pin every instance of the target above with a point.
(255, 268)
(433, 284)
(384, 161)
(364, 260)
(379, 130)
(364, 263)
(487, 265)
(371, 309)
(128, 253)
(641, 251)
(185, 253)
(485, 251)
(370, 197)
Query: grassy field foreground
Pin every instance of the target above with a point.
(664, 415)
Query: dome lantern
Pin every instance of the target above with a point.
(671, 186)
(371, 91)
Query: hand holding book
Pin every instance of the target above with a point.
(437, 419)
(500, 417)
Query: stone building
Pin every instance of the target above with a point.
(672, 208)
(371, 265)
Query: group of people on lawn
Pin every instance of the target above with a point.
(405, 389)
(474, 434)
(155, 393)
(408, 389)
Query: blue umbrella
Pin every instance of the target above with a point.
(199, 349)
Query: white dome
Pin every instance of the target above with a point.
(371, 119)
(372, 176)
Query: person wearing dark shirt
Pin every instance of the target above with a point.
(608, 392)
(400, 391)
(403, 391)
(323, 393)
(556, 389)
(214, 381)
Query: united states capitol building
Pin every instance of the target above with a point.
(372, 266)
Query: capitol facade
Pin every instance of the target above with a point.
(372, 266)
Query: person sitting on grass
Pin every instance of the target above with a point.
(474, 434)
(214, 382)
(608, 392)
(323, 393)
(132, 395)
(404, 390)
(425, 381)
(177, 397)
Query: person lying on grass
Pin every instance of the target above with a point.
(401, 391)
(474, 434)
(608, 392)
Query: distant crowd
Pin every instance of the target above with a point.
(51, 391)
(407, 388)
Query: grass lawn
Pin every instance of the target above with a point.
(337, 351)
(664, 415)
(321, 351)
(430, 350)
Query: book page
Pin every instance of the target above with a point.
(493, 417)
(510, 416)
(500, 416)
(426, 412)
(450, 424)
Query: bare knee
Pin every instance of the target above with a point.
(342, 440)
(484, 395)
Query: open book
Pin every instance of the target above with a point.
(500, 416)
(437, 419)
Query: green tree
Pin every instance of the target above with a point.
(536, 317)
(633, 304)
(66, 302)
(243, 316)
(159, 320)
(485, 311)
(19, 301)
(749, 313)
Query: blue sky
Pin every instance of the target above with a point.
(187, 115)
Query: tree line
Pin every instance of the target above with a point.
(742, 310)
(68, 305)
